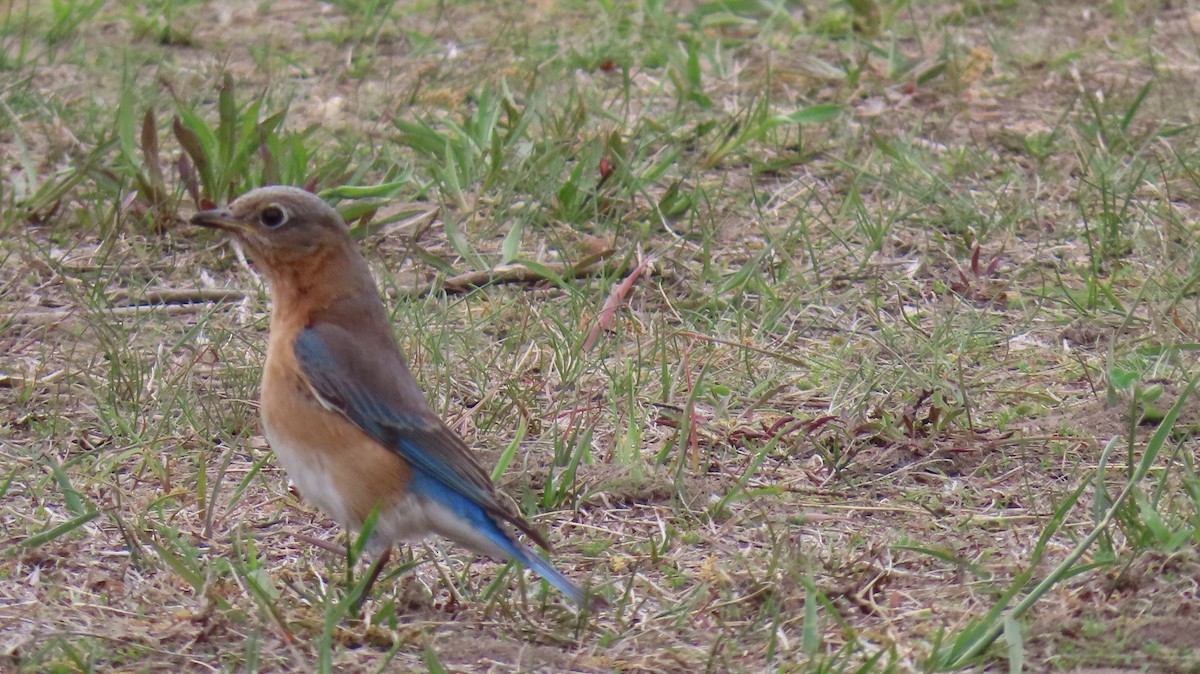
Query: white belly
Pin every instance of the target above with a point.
(410, 518)
(311, 477)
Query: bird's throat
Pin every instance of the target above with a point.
(321, 282)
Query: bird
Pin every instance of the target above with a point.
(339, 407)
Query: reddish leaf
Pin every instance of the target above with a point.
(991, 268)
(606, 169)
(192, 145)
(779, 423)
(187, 175)
(615, 299)
(817, 423)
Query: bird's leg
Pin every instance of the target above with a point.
(376, 569)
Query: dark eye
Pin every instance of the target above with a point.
(272, 216)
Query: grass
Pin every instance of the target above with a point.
(905, 381)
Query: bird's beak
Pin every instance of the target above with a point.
(220, 218)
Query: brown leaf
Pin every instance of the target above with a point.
(187, 175)
(191, 144)
(150, 155)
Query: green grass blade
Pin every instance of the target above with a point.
(60, 530)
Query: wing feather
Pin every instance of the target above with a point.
(373, 389)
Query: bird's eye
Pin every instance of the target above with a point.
(272, 216)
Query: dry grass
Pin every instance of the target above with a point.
(867, 384)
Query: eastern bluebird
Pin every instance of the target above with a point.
(339, 407)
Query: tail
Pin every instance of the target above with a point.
(462, 520)
(540, 565)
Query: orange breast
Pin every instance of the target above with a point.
(334, 464)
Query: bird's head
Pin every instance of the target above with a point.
(279, 225)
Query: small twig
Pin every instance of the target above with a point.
(319, 543)
(57, 315)
(514, 273)
(161, 296)
(17, 381)
(173, 301)
(508, 273)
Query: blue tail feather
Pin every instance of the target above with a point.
(524, 555)
(481, 521)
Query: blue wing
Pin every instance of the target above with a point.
(378, 395)
(362, 376)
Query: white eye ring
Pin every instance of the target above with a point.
(272, 216)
